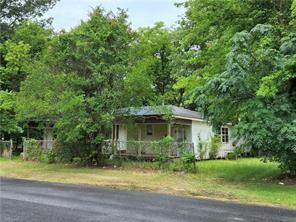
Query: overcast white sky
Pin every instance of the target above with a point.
(68, 13)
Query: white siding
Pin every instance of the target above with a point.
(204, 131)
(200, 130)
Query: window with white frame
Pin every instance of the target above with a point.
(225, 134)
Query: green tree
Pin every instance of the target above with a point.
(80, 79)
(206, 34)
(7, 121)
(13, 12)
(13, 67)
(259, 85)
(236, 70)
(18, 53)
(150, 78)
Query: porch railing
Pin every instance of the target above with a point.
(44, 144)
(143, 148)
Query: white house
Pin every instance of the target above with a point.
(147, 124)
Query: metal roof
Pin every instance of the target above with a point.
(176, 111)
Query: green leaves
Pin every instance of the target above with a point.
(77, 81)
(241, 57)
(150, 77)
(258, 84)
(7, 121)
(16, 59)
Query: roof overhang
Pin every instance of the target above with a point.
(188, 118)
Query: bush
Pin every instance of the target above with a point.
(63, 152)
(48, 156)
(215, 146)
(88, 154)
(202, 149)
(34, 150)
(76, 160)
(188, 161)
(161, 150)
(231, 156)
(238, 151)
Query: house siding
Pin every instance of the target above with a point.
(200, 131)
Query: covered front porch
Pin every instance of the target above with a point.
(137, 137)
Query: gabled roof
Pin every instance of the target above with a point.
(177, 112)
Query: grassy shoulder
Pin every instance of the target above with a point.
(245, 180)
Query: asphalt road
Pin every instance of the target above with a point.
(38, 201)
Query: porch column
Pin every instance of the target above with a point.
(139, 132)
(169, 129)
(114, 138)
(112, 133)
(28, 131)
(139, 139)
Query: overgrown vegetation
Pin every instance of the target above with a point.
(33, 150)
(188, 161)
(203, 148)
(161, 150)
(215, 146)
(232, 60)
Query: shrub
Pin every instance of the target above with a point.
(63, 152)
(238, 151)
(215, 146)
(48, 156)
(231, 156)
(34, 150)
(88, 154)
(161, 150)
(188, 161)
(202, 149)
(76, 160)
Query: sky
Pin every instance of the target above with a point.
(68, 13)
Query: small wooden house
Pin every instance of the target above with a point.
(148, 124)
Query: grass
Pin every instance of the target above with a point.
(245, 180)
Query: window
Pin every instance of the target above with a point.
(180, 134)
(224, 134)
(149, 130)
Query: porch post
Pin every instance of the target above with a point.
(169, 129)
(28, 131)
(139, 132)
(140, 139)
(114, 138)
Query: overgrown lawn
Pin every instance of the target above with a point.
(244, 180)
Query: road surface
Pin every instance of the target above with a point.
(30, 201)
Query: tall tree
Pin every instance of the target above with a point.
(257, 93)
(13, 12)
(80, 82)
(206, 33)
(241, 56)
(150, 78)
(16, 53)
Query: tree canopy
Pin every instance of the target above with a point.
(79, 78)
(233, 60)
